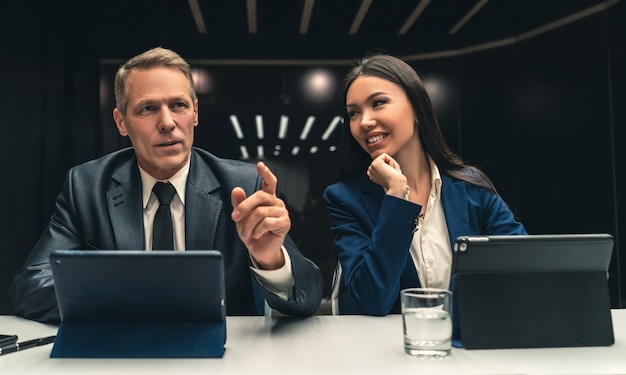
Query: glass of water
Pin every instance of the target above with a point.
(427, 321)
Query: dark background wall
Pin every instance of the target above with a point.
(544, 117)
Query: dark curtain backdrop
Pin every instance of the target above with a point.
(543, 117)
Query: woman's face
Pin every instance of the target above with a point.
(381, 116)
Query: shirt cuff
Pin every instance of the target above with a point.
(279, 281)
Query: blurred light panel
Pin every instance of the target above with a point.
(307, 128)
(333, 124)
(235, 122)
(282, 131)
(244, 152)
(259, 126)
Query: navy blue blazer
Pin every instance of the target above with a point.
(100, 207)
(373, 234)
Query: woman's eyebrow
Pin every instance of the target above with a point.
(369, 97)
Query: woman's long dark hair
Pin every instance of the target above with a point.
(353, 159)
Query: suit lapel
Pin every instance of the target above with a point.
(125, 207)
(202, 206)
(454, 201)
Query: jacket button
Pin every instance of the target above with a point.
(301, 296)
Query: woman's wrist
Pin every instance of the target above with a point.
(400, 190)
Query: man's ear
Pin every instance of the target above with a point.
(119, 122)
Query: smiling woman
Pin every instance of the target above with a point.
(404, 195)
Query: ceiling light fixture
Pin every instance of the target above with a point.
(201, 81)
(259, 126)
(331, 128)
(307, 128)
(414, 15)
(319, 84)
(259, 152)
(236, 126)
(282, 131)
(295, 150)
(468, 16)
(197, 16)
(313, 149)
(251, 8)
(306, 16)
(360, 15)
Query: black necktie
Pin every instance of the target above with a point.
(162, 232)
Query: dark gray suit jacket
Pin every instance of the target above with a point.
(100, 207)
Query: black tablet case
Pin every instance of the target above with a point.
(532, 291)
(129, 304)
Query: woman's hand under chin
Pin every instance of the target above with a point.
(386, 172)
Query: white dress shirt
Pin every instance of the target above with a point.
(430, 248)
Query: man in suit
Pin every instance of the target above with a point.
(220, 204)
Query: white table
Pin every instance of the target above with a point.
(322, 345)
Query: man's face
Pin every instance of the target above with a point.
(160, 119)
